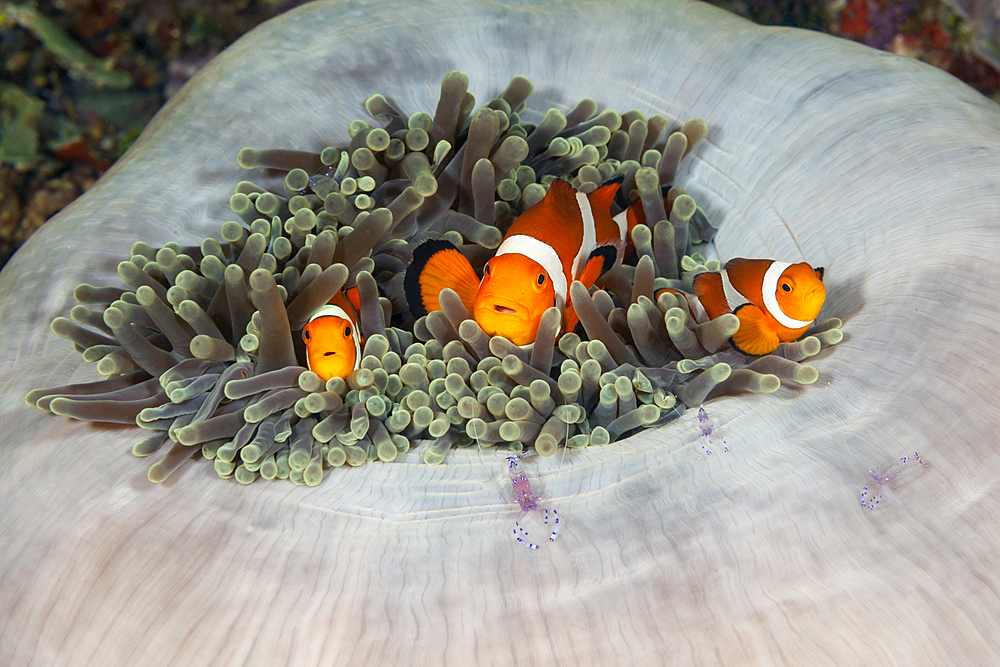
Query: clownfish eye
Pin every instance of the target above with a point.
(305, 335)
(347, 331)
(486, 269)
(541, 278)
(786, 287)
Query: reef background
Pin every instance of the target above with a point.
(65, 120)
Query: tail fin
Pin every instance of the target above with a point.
(436, 265)
(631, 213)
(636, 215)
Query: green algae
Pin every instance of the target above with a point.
(19, 114)
(74, 57)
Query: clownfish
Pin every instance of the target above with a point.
(332, 338)
(775, 301)
(566, 236)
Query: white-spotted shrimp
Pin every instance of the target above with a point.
(707, 428)
(871, 494)
(530, 508)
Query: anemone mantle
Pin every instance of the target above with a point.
(883, 170)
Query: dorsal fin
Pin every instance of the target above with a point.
(560, 188)
(602, 197)
(353, 298)
(736, 262)
(621, 199)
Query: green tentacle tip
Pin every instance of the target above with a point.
(806, 375)
(296, 180)
(769, 384)
(432, 457)
(830, 337)
(248, 158)
(387, 451)
(156, 473)
(720, 372)
(298, 460)
(337, 456)
(313, 474)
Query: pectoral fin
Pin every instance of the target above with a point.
(754, 336)
(600, 260)
(437, 265)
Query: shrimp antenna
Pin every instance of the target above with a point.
(565, 446)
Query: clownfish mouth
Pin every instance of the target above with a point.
(503, 309)
(327, 354)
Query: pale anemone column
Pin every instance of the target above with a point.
(880, 169)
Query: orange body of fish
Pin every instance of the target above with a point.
(775, 301)
(332, 338)
(566, 236)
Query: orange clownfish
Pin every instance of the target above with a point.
(333, 342)
(566, 236)
(775, 301)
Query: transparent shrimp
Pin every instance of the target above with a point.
(531, 512)
(871, 495)
(707, 429)
(528, 502)
(333, 173)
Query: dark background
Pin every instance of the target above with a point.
(83, 77)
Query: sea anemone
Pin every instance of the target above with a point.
(877, 168)
(201, 352)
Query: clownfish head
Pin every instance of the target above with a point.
(800, 292)
(331, 346)
(514, 293)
